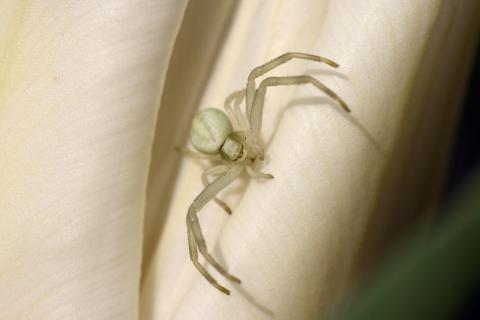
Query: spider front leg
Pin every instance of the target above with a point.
(195, 235)
(192, 247)
(264, 68)
(259, 99)
(215, 171)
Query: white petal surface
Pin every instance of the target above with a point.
(80, 84)
(344, 184)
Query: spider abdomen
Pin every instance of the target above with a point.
(210, 128)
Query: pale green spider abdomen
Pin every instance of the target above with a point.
(210, 128)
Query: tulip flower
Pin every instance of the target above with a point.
(96, 95)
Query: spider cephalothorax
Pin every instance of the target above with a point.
(238, 145)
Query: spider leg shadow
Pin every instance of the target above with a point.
(335, 73)
(317, 100)
(241, 290)
(250, 299)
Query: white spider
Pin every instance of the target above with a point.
(213, 134)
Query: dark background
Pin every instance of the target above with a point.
(464, 162)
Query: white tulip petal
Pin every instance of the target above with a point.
(80, 85)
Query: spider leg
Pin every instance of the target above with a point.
(258, 175)
(236, 97)
(195, 235)
(258, 101)
(192, 246)
(264, 68)
(217, 170)
(234, 111)
(242, 117)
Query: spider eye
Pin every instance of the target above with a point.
(210, 128)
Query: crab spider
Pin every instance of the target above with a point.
(238, 146)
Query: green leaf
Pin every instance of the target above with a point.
(431, 274)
